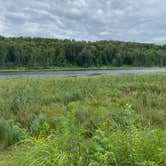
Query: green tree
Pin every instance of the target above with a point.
(85, 58)
(61, 59)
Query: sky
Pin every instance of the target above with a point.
(124, 20)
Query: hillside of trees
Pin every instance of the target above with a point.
(42, 52)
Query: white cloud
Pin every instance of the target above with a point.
(128, 20)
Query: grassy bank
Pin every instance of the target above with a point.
(97, 120)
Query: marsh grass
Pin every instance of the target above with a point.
(98, 120)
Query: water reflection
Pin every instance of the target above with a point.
(42, 74)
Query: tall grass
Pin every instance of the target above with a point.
(99, 120)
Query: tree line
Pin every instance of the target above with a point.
(43, 52)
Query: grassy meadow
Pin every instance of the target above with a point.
(117, 120)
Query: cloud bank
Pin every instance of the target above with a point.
(127, 20)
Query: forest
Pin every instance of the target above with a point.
(42, 52)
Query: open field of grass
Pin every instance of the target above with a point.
(102, 120)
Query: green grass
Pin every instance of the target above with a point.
(85, 121)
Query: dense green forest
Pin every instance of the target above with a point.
(43, 52)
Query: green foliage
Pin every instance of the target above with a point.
(99, 120)
(85, 58)
(40, 52)
(10, 133)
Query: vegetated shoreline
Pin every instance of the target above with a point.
(74, 68)
(40, 52)
(115, 120)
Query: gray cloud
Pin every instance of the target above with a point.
(127, 20)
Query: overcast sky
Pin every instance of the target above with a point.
(125, 20)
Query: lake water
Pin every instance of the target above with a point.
(41, 74)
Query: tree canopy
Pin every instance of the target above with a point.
(43, 52)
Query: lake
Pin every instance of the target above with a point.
(41, 74)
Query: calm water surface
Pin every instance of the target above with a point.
(41, 74)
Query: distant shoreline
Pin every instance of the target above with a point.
(22, 69)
